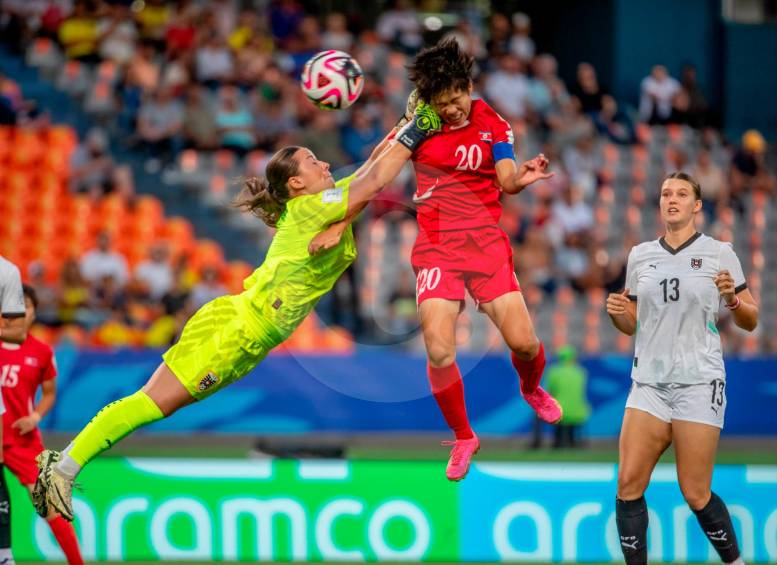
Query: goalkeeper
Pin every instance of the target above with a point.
(231, 335)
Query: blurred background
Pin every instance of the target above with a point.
(126, 126)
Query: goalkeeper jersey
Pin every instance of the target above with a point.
(287, 286)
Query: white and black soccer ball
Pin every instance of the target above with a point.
(332, 80)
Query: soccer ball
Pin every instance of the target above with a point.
(332, 80)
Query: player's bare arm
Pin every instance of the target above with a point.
(622, 311)
(376, 175)
(48, 397)
(13, 330)
(743, 308)
(514, 178)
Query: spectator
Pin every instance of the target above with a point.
(46, 312)
(272, 123)
(712, 182)
(199, 123)
(360, 136)
(235, 122)
(285, 17)
(534, 258)
(102, 262)
(155, 274)
(336, 34)
(499, 36)
(748, 170)
(572, 221)
(597, 103)
(581, 163)
(399, 27)
(181, 34)
(546, 90)
(567, 382)
(119, 35)
(508, 88)
(79, 34)
(521, 43)
(160, 125)
(244, 32)
(91, 167)
(403, 310)
(226, 17)
(208, 288)
(152, 19)
(323, 139)
(142, 78)
(658, 94)
(73, 293)
(213, 62)
(468, 39)
(697, 109)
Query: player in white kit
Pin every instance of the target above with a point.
(12, 330)
(674, 288)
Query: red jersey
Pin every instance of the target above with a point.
(23, 368)
(455, 172)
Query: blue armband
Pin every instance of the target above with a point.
(503, 150)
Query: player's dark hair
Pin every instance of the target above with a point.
(441, 68)
(266, 197)
(30, 293)
(687, 178)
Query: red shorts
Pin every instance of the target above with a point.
(20, 460)
(480, 260)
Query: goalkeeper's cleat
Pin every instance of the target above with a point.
(461, 456)
(53, 490)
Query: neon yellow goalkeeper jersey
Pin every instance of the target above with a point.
(287, 286)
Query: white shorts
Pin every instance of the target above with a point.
(702, 403)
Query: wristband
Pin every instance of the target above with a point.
(735, 305)
(410, 135)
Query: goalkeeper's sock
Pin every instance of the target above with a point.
(108, 427)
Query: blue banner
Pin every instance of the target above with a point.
(378, 389)
(566, 512)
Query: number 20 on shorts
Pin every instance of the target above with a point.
(427, 279)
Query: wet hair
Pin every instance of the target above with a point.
(266, 197)
(441, 68)
(30, 293)
(687, 178)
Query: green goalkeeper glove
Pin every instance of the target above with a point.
(425, 122)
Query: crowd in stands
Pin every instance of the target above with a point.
(210, 75)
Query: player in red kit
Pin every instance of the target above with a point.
(461, 175)
(24, 368)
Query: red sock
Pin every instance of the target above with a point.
(530, 372)
(66, 537)
(448, 390)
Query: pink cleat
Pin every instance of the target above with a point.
(461, 456)
(547, 408)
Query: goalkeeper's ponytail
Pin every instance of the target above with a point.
(266, 197)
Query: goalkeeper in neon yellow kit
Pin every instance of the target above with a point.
(229, 336)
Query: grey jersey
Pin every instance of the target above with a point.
(11, 295)
(677, 309)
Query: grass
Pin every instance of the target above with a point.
(732, 454)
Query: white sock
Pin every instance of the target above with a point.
(67, 466)
(6, 557)
(739, 561)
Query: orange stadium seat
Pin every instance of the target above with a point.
(234, 274)
(63, 138)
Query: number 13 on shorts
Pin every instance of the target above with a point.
(427, 279)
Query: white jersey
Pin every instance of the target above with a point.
(11, 295)
(677, 339)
